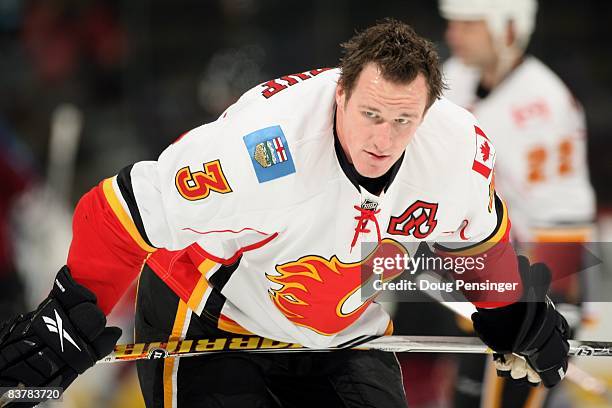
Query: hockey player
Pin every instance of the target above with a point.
(538, 130)
(252, 224)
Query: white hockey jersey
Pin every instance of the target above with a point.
(538, 130)
(260, 197)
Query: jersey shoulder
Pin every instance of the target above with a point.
(450, 142)
(451, 126)
(256, 153)
(536, 80)
(273, 115)
(297, 98)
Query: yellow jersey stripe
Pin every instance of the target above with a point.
(122, 216)
(169, 363)
(198, 292)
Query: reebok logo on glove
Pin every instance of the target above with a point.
(56, 326)
(561, 373)
(59, 285)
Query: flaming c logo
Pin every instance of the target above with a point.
(324, 294)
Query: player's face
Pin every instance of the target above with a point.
(471, 42)
(376, 123)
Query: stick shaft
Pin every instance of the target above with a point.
(421, 344)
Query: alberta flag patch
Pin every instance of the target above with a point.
(269, 153)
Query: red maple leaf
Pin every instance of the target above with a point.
(485, 149)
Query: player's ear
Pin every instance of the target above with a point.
(510, 33)
(340, 96)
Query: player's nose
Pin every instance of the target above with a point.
(382, 137)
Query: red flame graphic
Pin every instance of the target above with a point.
(314, 289)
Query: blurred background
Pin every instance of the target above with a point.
(90, 86)
(142, 72)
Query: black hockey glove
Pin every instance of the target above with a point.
(531, 328)
(61, 339)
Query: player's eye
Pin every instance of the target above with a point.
(370, 114)
(402, 121)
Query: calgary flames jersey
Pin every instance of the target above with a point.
(538, 129)
(252, 218)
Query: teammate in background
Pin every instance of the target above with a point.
(539, 133)
(252, 224)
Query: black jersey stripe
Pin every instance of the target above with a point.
(124, 181)
(220, 277)
(215, 301)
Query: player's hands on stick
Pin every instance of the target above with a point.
(531, 328)
(516, 368)
(61, 339)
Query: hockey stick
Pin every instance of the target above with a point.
(420, 344)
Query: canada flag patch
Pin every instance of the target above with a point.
(485, 154)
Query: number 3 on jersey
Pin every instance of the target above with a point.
(197, 185)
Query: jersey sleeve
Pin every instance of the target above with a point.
(146, 206)
(209, 191)
(107, 250)
(484, 234)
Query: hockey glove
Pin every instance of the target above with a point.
(61, 339)
(530, 328)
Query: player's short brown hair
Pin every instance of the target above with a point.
(399, 52)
